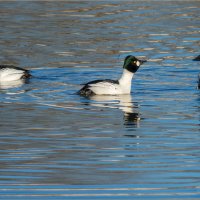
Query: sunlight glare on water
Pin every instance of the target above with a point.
(56, 144)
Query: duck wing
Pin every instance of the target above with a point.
(106, 86)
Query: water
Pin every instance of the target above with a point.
(56, 144)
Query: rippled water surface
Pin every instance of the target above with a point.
(55, 144)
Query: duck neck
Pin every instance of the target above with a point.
(125, 80)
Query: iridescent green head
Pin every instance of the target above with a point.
(132, 64)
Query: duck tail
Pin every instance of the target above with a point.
(26, 75)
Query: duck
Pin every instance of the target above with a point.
(114, 87)
(13, 73)
(198, 59)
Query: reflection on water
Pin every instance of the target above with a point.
(122, 102)
(11, 84)
(131, 119)
(55, 144)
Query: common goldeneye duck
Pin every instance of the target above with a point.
(12, 73)
(197, 58)
(114, 87)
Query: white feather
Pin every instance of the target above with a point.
(109, 88)
(105, 88)
(138, 63)
(125, 81)
(10, 74)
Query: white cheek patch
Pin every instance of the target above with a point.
(138, 63)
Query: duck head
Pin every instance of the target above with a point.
(132, 64)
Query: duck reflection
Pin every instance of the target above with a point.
(122, 102)
(11, 84)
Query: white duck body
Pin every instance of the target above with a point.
(112, 87)
(12, 73)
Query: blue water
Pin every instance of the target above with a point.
(57, 145)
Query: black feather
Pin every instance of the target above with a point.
(197, 58)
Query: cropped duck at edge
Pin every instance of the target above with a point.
(198, 59)
(12, 73)
(114, 87)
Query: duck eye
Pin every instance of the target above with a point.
(133, 62)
